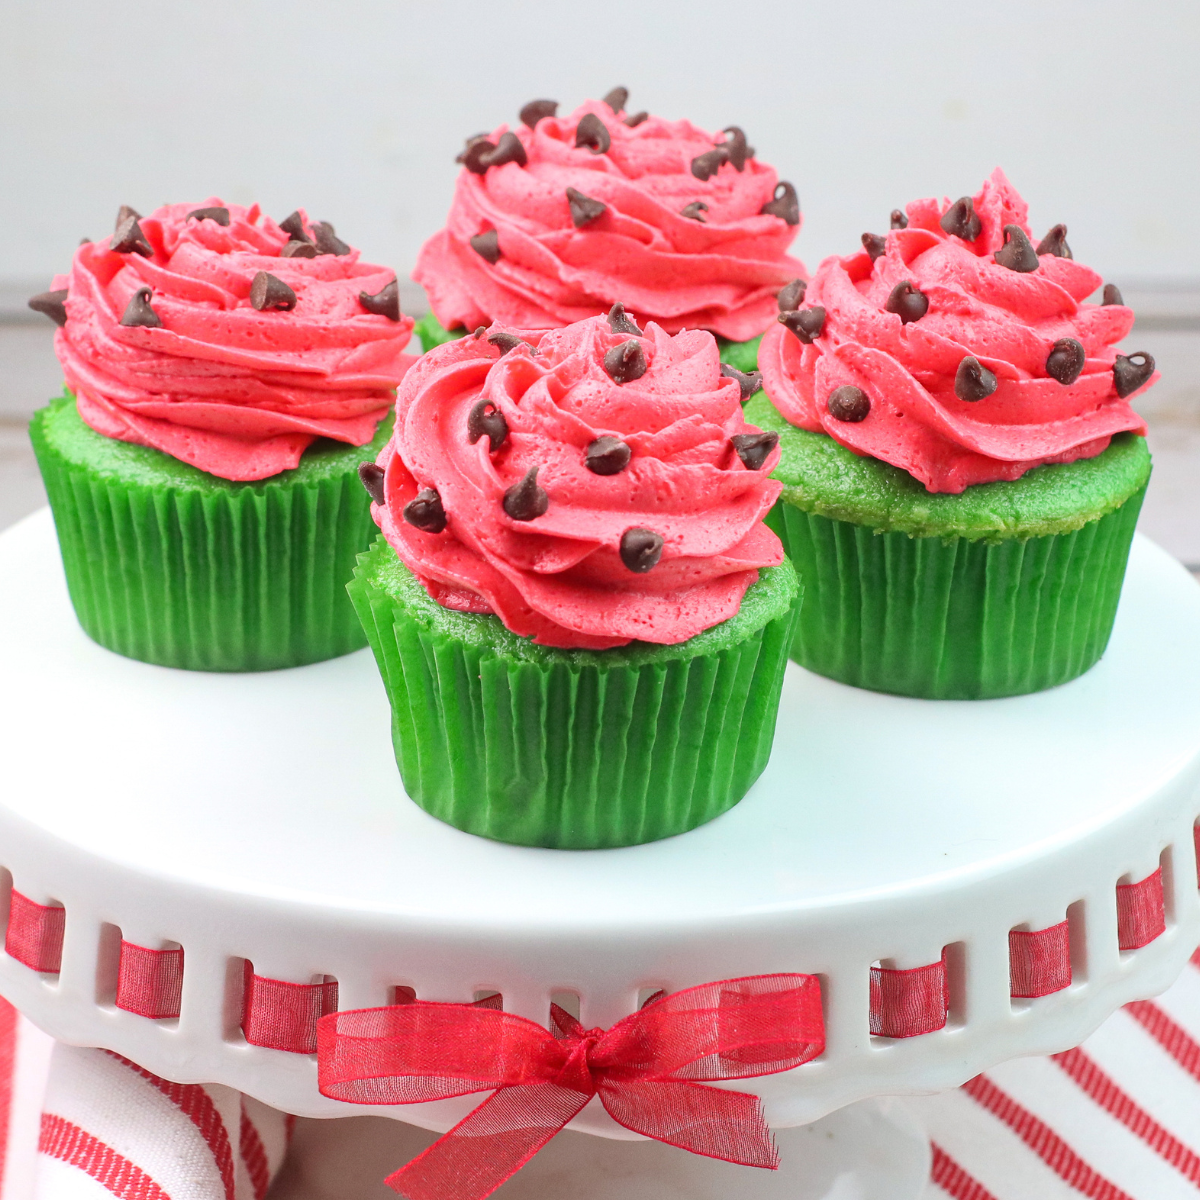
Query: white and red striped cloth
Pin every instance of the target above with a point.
(1116, 1119)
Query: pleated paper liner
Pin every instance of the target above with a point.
(170, 565)
(1007, 589)
(573, 749)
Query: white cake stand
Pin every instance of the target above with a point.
(261, 817)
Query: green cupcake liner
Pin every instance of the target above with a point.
(170, 565)
(573, 749)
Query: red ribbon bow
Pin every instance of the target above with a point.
(648, 1070)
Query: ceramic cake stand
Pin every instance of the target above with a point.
(260, 817)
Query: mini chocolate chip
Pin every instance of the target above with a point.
(619, 321)
(123, 215)
(298, 250)
(1055, 242)
(626, 362)
(973, 381)
(129, 239)
(735, 145)
(218, 214)
(694, 211)
(1129, 374)
(385, 302)
(327, 241)
(472, 155)
(617, 99)
(1065, 361)
(504, 342)
(525, 501)
(638, 117)
(706, 165)
(1112, 294)
(480, 330)
(754, 448)
(538, 110)
(425, 512)
(849, 403)
(139, 313)
(607, 456)
(486, 419)
(507, 150)
(269, 291)
(805, 324)
(592, 133)
(293, 226)
(875, 245)
(785, 206)
(487, 245)
(371, 475)
(907, 302)
(1017, 253)
(51, 304)
(641, 549)
(791, 295)
(748, 382)
(961, 219)
(899, 220)
(583, 208)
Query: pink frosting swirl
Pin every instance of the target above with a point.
(237, 392)
(719, 272)
(1009, 320)
(561, 577)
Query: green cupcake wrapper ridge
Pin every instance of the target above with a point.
(573, 749)
(170, 565)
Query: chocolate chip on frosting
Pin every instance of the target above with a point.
(129, 239)
(636, 119)
(806, 324)
(961, 219)
(626, 362)
(791, 295)
(487, 245)
(641, 549)
(584, 210)
(298, 250)
(385, 302)
(486, 420)
(269, 291)
(219, 214)
(619, 321)
(1017, 253)
(475, 145)
(425, 512)
(694, 211)
(735, 145)
(123, 215)
(592, 133)
(607, 455)
(785, 205)
(525, 501)
(508, 149)
(371, 475)
(849, 403)
(749, 382)
(754, 448)
(293, 226)
(1129, 373)
(51, 304)
(617, 99)
(907, 302)
(327, 240)
(538, 110)
(1112, 294)
(706, 165)
(973, 381)
(875, 245)
(1055, 242)
(138, 312)
(899, 219)
(504, 342)
(1065, 361)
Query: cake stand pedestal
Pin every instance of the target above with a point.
(260, 818)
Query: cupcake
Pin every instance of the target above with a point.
(224, 374)
(962, 469)
(580, 618)
(559, 218)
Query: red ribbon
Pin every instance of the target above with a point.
(648, 1070)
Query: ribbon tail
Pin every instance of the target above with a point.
(490, 1144)
(705, 1120)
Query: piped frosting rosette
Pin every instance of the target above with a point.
(590, 485)
(955, 349)
(559, 218)
(228, 341)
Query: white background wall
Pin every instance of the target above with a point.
(356, 109)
